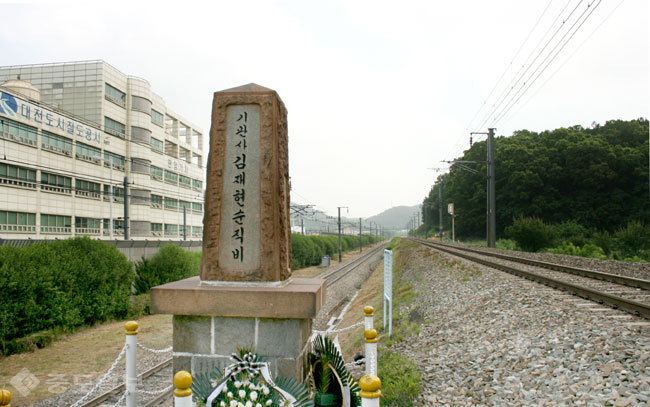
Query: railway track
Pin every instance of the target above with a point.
(163, 371)
(334, 275)
(625, 293)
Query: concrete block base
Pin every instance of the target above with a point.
(212, 321)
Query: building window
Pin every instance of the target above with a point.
(18, 176)
(87, 188)
(197, 207)
(185, 181)
(55, 183)
(17, 221)
(114, 127)
(171, 177)
(156, 173)
(118, 227)
(197, 184)
(197, 231)
(87, 153)
(140, 104)
(115, 95)
(181, 230)
(115, 159)
(156, 201)
(86, 226)
(156, 229)
(56, 143)
(118, 193)
(18, 132)
(55, 224)
(156, 145)
(171, 230)
(184, 204)
(157, 118)
(171, 203)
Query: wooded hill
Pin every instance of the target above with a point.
(596, 177)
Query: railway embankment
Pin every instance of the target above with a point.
(486, 337)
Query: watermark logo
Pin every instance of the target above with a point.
(24, 382)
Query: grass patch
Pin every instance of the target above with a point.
(400, 379)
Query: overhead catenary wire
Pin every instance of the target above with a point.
(565, 61)
(529, 83)
(526, 66)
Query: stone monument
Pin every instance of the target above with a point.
(245, 296)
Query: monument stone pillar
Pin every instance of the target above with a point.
(245, 296)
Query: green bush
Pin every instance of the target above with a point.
(65, 283)
(531, 234)
(400, 379)
(506, 244)
(573, 232)
(632, 240)
(171, 263)
(605, 241)
(588, 250)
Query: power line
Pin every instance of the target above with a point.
(529, 82)
(567, 60)
(506, 92)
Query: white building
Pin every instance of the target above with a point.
(71, 131)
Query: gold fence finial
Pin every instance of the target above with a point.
(5, 398)
(183, 384)
(371, 335)
(370, 385)
(368, 310)
(131, 328)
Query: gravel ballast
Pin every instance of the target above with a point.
(490, 338)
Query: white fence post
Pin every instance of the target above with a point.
(368, 319)
(131, 379)
(183, 391)
(371, 351)
(370, 392)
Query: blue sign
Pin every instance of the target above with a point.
(11, 107)
(8, 104)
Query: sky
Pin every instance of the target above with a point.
(378, 92)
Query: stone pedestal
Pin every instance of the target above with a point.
(212, 319)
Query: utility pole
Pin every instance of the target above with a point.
(360, 237)
(490, 195)
(491, 212)
(340, 248)
(440, 209)
(302, 225)
(184, 222)
(127, 233)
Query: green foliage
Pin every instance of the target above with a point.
(64, 284)
(326, 360)
(588, 250)
(595, 177)
(400, 379)
(506, 244)
(392, 244)
(572, 232)
(171, 263)
(632, 240)
(309, 250)
(531, 234)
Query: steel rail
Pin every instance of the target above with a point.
(613, 301)
(598, 275)
(117, 389)
(346, 268)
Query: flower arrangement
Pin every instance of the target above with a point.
(248, 383)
